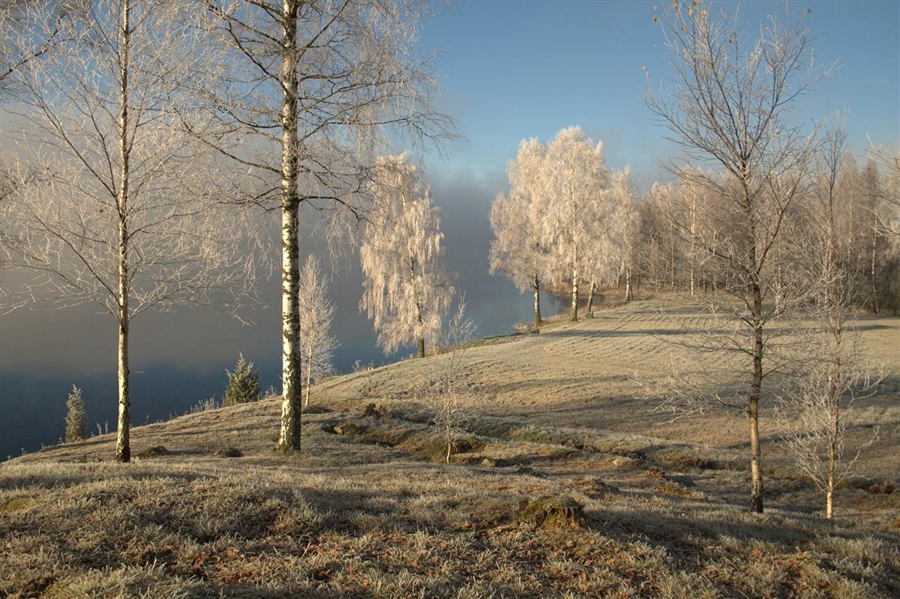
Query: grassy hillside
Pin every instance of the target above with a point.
(567, 481)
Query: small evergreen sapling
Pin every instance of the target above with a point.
(76, 418)
(243, 383)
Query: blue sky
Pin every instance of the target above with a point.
(520, 69)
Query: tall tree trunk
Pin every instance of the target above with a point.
(573, 316)
(420, 340)
(873, 272)
(306, 391)
(573, 313)
(123, 431)
(693, 278)
(629, 291)
(693, 247)
(672, 263)
(756, 489)
(834, 433)
(289, 437)
(756, 321)
(536, 285)
(836, 307)
(835, 430)
(590, 304)
(448, 431)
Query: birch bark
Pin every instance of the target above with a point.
(123, 431)
(289, 433)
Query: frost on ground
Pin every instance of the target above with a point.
(565, 481)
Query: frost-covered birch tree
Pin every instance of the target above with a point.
(615, 230)
(574, 176)
(888, 214)
(518, 249)
(121, 212)
(318, 88)
(406, 291)
(449, 393)
(728, 108)
(884, 242)
(831, 374)
(627, 227)
(317, 344)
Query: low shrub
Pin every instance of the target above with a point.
(76, 417)
(243, 383)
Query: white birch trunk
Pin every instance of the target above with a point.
(590, 304)
(756, 474)
(873, 272)
(629, 290)
(834, 434)
(289, 435)
(574, 313)
(123, 430)
(309, 360)
(693, 247)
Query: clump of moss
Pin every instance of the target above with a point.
(674, 489)
(227, 452)
(18, 504)
(152, 452)
(552, 511)
(655, 473)
(347, 428)
(594, 488)
(427, 445)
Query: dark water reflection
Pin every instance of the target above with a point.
(32, 404)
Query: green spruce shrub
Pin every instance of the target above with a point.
(243, 383)
(76, 418)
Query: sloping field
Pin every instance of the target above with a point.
(610, 374)
(567, 481)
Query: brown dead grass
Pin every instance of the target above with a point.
(568, 485)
